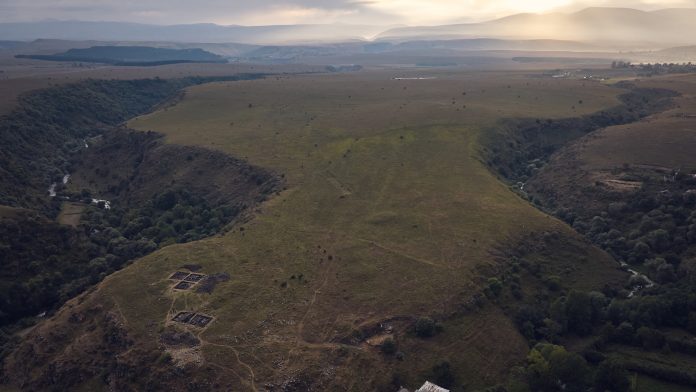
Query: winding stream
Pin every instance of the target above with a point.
(640, 286)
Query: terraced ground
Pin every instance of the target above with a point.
(388, 215)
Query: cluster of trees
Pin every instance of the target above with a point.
(594, 313)
(173, 216)
(654, 228)
(45, 264)
(665, 68)
(638, 321)
(551, 368)
(650, 69)
(620, 64)
(603, 320)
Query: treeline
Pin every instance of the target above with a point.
(651, 69)
(655, 227)
(49, 125)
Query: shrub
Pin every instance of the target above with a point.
(495, 286)
(442, 375)
(388, 346)
(425, 327)
(553, 283)
(650, 338)
(611, 376)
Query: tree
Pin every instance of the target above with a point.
(658, 240)
(579, 312)
(425, 327)
(625, 333)
(388, 346)
(442, 375)
(495, 286)
(538, 372)
(552, 368)
(650, 338)
(611, 376)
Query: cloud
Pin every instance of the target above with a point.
(298, 11)
(293, 14)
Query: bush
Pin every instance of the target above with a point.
(425, 327)
(388, 346)
(650, 338)
(495, 286)
(611, 376)
(553, 283)
(442, 375)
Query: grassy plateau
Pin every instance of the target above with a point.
(389, 215)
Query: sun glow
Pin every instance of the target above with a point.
(438, 11)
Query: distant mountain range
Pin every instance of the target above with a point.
(608, 28)
(192, 33)
(599, 26)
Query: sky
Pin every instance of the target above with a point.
(264, 12)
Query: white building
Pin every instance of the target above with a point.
(430, 387)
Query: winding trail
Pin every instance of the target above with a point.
(300, 325)
(252, 376)
(400, 253)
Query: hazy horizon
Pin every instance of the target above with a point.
(269, 12)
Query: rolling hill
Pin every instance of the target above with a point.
(202, 32)
(604, 26)
(132, 55)
(609, 28)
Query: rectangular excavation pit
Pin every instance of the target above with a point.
(183, 285)
(194, 277)
(179, 275)
(200, 320)
(183, 317)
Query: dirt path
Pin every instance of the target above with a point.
(120, 312)
(252, 376)
(300, 325)
(400, 253)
